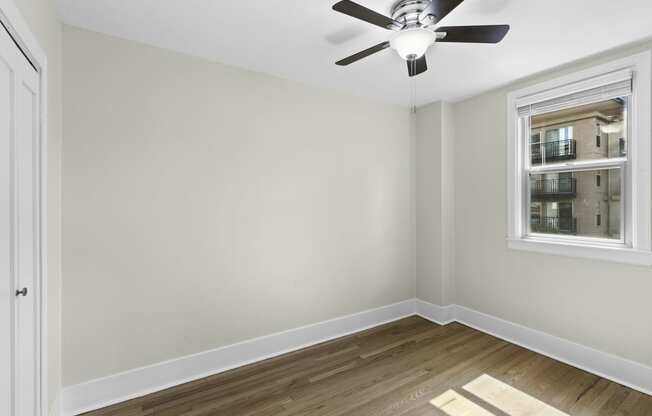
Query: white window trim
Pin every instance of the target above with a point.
(637, 249)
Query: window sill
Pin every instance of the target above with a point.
(614, 253)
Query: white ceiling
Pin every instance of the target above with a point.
(301, 39)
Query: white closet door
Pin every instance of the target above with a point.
(6, 278)
(19, 124)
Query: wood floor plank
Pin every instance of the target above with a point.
(391, 377)
(395, 369)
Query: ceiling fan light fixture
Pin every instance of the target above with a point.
(412, 23)
(412, 44)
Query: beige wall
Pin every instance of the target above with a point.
(599, 304)
(41, 18)
(434, 209)
(204, 205)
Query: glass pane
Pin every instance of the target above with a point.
(585, 204)
(593, 131)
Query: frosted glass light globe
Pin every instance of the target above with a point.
(412, 43)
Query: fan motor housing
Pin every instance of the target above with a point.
(408, 11)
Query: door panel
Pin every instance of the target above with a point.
(26, 135)
(566, 217)
(19, 145)
(6, 275)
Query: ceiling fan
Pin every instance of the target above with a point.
(414, 23)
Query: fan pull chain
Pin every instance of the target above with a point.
(413, 94)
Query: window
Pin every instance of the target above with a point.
(557, 177)
(558, 145)
(621, 147)
(573, 188)
(536, 138)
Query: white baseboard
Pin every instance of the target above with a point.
(116, 388)
(55, 406)
(138, 382)
(441, 315)
(612, 367)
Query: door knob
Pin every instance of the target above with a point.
(22, 292)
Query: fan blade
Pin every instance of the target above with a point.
(473, 34)
(360, 12)
(438, 9)
(417, 66)
(356, 57)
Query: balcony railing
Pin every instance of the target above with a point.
(553, 187)
(553, 225)
(553, 151)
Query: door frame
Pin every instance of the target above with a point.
(18, 28)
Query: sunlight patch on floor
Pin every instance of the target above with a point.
(454, 404)
(509, 399)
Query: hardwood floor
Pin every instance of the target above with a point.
(396, 369)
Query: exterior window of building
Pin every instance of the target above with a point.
(621, 147)
(555, 204)
(558, 145)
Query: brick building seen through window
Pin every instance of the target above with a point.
(583, 203)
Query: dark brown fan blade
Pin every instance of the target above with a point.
(417, 66)
(363, 54)
(473, 34)
(439, 9)
(360, 12)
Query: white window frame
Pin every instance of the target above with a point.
(636, 245)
